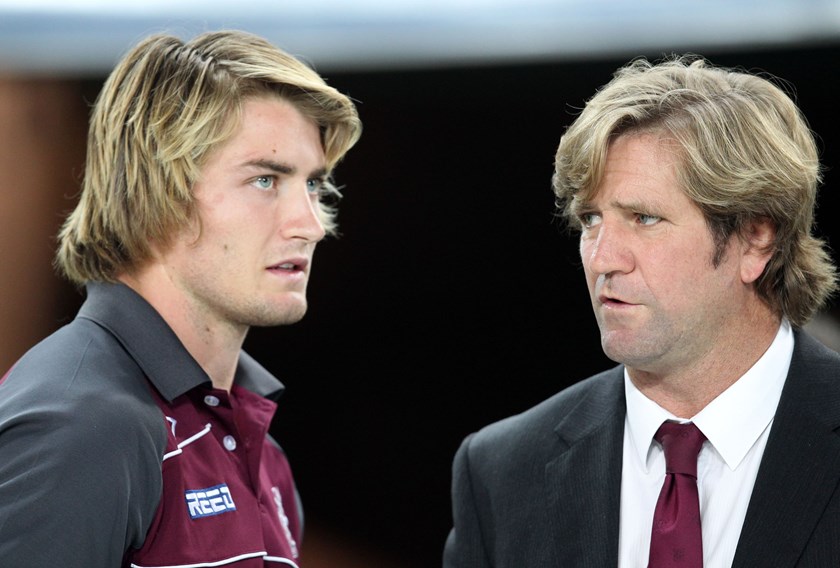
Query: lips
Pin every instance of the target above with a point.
(291, 265)
(609, 300)
(603, 299)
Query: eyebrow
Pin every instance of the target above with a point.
(632, 205)
(638, 205)
(280, 167)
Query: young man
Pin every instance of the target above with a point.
(693, 189)
(137, 434)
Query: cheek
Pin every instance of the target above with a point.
(681, 282)
(224, 228)
(583, 246)
(585, 249)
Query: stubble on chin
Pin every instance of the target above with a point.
(269, 315)
(627, 347)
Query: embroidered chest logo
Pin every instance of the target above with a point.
(208, 502)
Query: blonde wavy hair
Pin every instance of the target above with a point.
(746, 153)
(165, 107)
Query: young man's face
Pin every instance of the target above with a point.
(246, 260)
(647, 253)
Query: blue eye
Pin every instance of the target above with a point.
(315, 186)
(588, 220)
(264, 182)
(648, 219)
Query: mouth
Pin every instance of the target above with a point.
(292, 265)
(611, 302)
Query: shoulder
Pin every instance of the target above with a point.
(577, 408)
(82, 387)
(813, 379)
(81, 443)
(810, 352)
(814, 372)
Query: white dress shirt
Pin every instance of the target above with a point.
(736, 424)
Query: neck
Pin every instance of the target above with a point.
(214, 344)
(686, 390)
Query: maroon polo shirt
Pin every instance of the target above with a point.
(228, 495)
(115, 450)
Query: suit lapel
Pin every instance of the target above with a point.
(584, 480)
(800, 469)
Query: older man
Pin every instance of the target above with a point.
(714, 442)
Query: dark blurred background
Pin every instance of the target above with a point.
(453, 297)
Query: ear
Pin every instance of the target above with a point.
(758, 239)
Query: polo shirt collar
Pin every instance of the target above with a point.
(256, 378)
(734, 420)
(157, 350)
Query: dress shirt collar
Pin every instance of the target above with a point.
(734, 420)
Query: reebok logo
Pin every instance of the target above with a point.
(208, 502)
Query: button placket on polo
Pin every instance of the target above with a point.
(220, 406)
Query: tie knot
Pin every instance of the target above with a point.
(681, 443)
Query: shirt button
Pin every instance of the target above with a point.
(229, 442)
(211, 400)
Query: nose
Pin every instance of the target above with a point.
(608, 250)
(300, 214)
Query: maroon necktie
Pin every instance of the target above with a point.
(676, 540)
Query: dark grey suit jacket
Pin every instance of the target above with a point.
(541, 489)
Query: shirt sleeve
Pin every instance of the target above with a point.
(79, 472)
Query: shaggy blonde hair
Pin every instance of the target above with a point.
(746, 153)
(165, 107)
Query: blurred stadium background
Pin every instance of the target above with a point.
(454, 297)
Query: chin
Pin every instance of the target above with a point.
(626, 353)
(285, 314)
